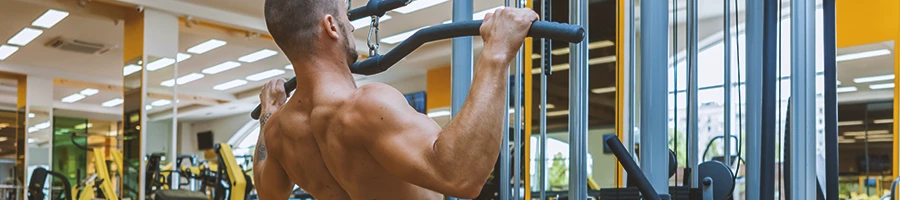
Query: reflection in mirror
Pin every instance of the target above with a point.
(159, 104)
(38, 140)
(131, 127)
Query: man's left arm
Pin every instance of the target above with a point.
(268, 175)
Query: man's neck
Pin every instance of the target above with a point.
(317, 74)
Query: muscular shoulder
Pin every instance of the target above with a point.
(378, 98)
(380, 106)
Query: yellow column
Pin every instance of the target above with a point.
(620, 79)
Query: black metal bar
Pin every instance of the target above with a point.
(831, 134)
(769, 81)
(632, 168)
(376, 8)
(380, 63)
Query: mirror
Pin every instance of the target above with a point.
(131, 128)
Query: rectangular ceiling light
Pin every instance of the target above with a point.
(206, 46)
(130, 69)
(264, 75)
(549, 106)
(72, 98)
(89, 91)
(439, 113)
(863, 133)
(603, 90)
(366, 21)
(565, 66)
(874, 78)
(591, 46)
(881, 139)
(849, 123)
(846, 141)
(25, 36)
(874, 136)
(881, 86)
(230, 84)
(846, 89)
(113, 102)
(50, 18)
(159, 64)
(884, 121)
(557, 67)
(557, 113)
(161, 102)
(84, 125)
(860, 55)
(182, 57)
(418, 5)
(182, 80)
(394, 39)
(221, 67)
(256, 56)
(7, 50)
(838, 82)
(289, 67)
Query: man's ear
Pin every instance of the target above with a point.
(331, 27)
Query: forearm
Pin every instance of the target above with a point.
(471, 141)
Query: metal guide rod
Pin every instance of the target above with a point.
(546, 60)
(461, 61)
(693, 146)
(831, 135)
(175, 180)
(629, 79)
(754, 32)
(504, 147)
(769, 80)
(504, 154)
(802, 101)
(654, 79)
(578, 98)
(517, 138)
(728, 85)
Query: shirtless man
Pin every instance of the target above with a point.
(339, 141)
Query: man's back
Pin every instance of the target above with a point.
(319, 148)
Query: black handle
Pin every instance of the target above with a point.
(380, 63)
(289, 86)
(376, 8)
(632, 168)
(539, 29)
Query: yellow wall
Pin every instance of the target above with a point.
(865, 22)
(438, 89)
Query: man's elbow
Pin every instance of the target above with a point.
(467, 189)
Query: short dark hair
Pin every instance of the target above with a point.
(294, 23)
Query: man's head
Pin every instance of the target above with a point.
(305, 28)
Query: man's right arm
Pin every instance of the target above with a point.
(457, 160)
(454, 161)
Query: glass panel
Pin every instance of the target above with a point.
(131, 135)
(69, 148)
